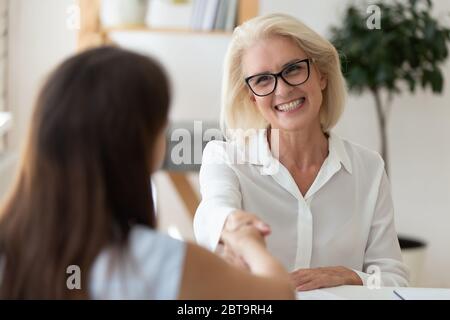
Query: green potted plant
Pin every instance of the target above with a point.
(404, 50)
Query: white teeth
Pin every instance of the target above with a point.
(291, 105)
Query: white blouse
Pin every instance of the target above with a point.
(345, 219)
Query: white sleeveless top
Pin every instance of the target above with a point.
(151, 268)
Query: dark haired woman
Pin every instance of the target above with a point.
(82, 197)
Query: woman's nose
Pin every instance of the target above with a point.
(282, 89)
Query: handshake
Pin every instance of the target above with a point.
(242, 233)
(242, 243)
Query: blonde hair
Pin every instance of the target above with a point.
(237, 109)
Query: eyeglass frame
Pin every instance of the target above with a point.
(280, 75)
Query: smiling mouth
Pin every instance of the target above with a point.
(290, 106)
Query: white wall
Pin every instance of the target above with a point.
(194, 62)
(419, 126)
(38, 40)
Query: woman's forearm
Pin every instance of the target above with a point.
(261, 262)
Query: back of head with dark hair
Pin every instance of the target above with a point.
(84, 179)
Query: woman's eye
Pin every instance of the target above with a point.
(262, 79)
(292, 69)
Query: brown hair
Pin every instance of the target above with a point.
(84, 178)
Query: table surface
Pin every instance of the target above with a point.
(383, 293)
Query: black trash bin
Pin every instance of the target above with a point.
(413, 253)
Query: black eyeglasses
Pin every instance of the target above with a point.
(293, 74)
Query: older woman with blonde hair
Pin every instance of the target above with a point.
(324, 203)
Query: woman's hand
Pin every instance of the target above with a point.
(240, 218)
(309, 279)
(238, 239)
(233, 258)
(237, 228)
(241, 244)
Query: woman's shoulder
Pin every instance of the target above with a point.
(219, 151)
(220, 146)
(362, 157)
(143, 240)
(149, 267)
(216, 145)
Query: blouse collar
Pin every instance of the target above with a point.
(257, 152)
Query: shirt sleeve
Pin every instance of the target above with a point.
(219, 188)
(383, 263)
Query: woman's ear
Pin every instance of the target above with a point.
(323, 79)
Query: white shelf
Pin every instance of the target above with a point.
(184, 31)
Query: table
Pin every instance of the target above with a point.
(383, 293)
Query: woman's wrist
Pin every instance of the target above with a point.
(353, 278)
(260, 260)
(251, 248)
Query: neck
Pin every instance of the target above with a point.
(302, 148)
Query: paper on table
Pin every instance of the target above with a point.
(319, 294)
(422, 294)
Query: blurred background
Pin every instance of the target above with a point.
(190, 39)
